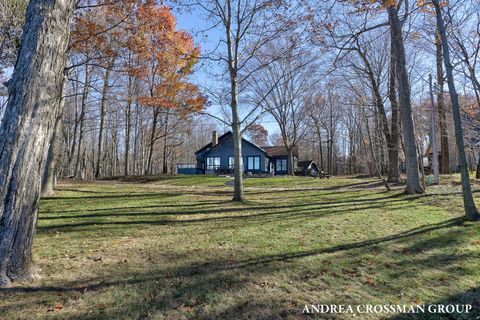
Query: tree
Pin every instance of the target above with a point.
(34, 98)
(465, 35)
(245, 28)
(468, 202)
(401, 78)
(168, 56)
(442, 112)
(374, 75)
(258, 134)
(288, 101)
(403, 85)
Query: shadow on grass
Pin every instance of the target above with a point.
(118, 196)
(470, 297)
(228, 265)
(265, 213)
(187, 289)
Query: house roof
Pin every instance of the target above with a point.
(279, 151)
(222, 138)
(271, 151)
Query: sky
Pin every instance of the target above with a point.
(193, 22)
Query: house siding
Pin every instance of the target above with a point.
(226, 150)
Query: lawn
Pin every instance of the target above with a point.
(177, 248)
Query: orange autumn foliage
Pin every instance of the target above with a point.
(168, 57)
(145, 35)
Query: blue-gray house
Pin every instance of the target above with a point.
(218, 157)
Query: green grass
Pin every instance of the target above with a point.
(175, 247)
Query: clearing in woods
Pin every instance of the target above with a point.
(177, 248)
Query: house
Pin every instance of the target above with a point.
(218, 157)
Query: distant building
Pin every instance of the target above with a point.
(218, 157)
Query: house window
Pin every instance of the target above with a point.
(231, 162)
(253, 163)
(213, 163)
(281, 165)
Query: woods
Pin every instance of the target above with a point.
(128, 89)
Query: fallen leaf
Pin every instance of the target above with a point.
(371, 282)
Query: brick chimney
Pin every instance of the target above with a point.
(214, 138)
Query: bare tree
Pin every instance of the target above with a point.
(246, 27)
(469, 205)
(288, 102)
(404, 96)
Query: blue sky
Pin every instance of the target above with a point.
(193, 22)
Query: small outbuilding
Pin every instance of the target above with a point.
(308, 168)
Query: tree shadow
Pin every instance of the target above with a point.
(262, 213)
(187, 289)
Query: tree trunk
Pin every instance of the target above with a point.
(433, 138)
(392, 148)
(83, 111)
(34, 95)
(128, 125)
(442, 112)
(152, 141)
(477, 174)
(291, 163)
(375, 161)
(103, 112)
(411, 159)
(71, 153)
(393, 169)
(165, 147)
(470, 208)
(238, 194)
(320, 149)
(49, 179)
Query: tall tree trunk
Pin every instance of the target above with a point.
(477, 174)
(320, 149)
(34, 97)
(442, 112)
(436, 175)
(411, 159)
(135, 141)
(83, 111)
(393, 169)
(152, 141)
(128, 125)
(238, 194)
(372, 151)
(49, 178)
(470, 208)
(232, 50)
(71, 152)
(392, 147)
(103, 112)
(291, 163)
(165, 147)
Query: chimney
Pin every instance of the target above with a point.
(214, 138)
